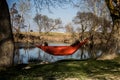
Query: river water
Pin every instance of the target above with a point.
(24, 55)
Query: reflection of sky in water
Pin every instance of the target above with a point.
(35, 53)
(26, 54)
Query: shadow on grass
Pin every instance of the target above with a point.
(61, 69)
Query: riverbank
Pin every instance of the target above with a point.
(54, 37)
(65, 70)
(35, 37)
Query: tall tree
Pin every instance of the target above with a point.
(6, 38)
(114, 8)
(113, 42)
(46, 24)
(88, 21)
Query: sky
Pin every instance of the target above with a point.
(66, 15)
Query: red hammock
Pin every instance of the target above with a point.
(62, 50)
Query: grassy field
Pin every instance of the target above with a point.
(65, 70)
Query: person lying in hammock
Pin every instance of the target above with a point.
(75, 43)
(45, 44)
(62, 50)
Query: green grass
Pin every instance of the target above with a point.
(64, 69)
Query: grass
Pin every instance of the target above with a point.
(64, 69)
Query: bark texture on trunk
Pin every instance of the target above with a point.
(6, 37)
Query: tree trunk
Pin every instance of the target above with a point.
(6, 37)
(114, 42)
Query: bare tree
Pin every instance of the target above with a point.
(23, 8)
(46, 24)
(97, 7)
(87, 21)
(48, 4)
(69, 28)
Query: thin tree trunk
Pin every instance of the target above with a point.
(6, 37)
